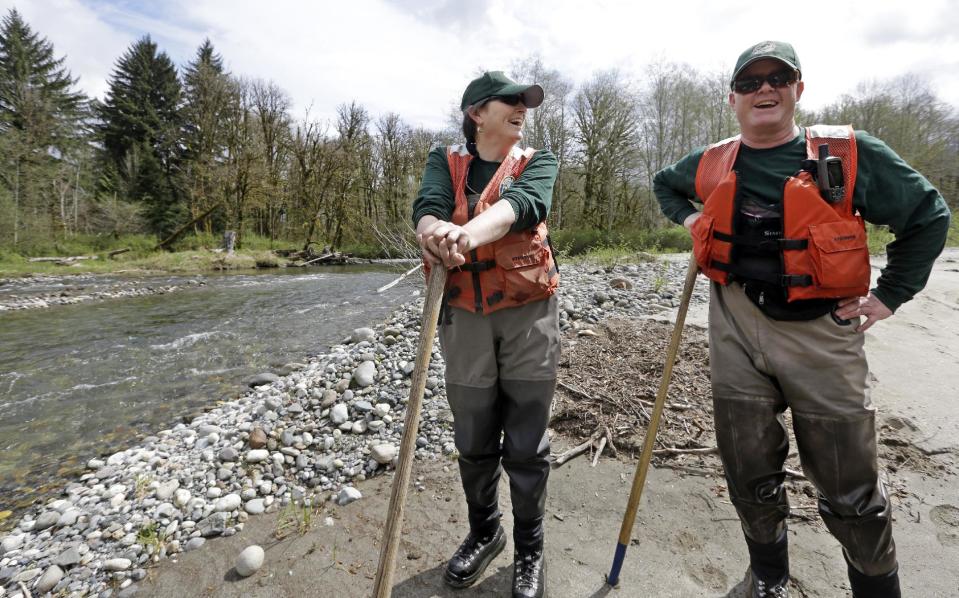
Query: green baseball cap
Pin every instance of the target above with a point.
(495, 83)
(780, 51)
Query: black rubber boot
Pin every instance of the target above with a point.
(473, 556)
(529, 574)
(768, 568)
(874, 586)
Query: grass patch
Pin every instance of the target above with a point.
(141, 486)
(296, 519)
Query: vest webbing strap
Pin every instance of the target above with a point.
(784, 280)
(475, 266)
(767, 244)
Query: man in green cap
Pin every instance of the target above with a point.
(782, 237)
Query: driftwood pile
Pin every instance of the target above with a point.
(607, 385)
(310, 257)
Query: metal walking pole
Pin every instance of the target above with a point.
(383, 585)
(639, 478)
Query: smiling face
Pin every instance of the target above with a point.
(767, 113)
(500, 122)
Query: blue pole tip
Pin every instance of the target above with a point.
(613, 578)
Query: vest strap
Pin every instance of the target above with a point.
(482, 266)
(763, 244)
(783, 280)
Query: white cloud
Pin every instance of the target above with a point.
(414, 57)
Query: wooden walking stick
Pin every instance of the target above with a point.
(639, 478)
(383, 585)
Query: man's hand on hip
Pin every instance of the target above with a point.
(869, 306)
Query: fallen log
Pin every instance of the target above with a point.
(176, 234)
(63, 260)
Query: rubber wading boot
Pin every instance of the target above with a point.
(472, 557)
(768, 568)
(874, 586)
(529, 574)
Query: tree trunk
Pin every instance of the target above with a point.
(16, 205)
(176, 234)
(76, 192)
(229, 239)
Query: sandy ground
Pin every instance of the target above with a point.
(686, 541)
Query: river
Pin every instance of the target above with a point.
(83, 380)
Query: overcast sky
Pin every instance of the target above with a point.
(414, 57)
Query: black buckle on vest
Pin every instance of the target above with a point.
(475, 266)
(795, 280)
(746, 274)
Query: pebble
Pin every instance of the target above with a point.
(51, 577)
(347, 495)
(230, 502)
(257, 438)
(365, 374)
(249, 561)
(383, 453)
(262, 379)
(339, 414)
(255, 506)
(166, 490)
(117, 564)
(257, 455)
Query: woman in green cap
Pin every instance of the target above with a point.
(481, 213)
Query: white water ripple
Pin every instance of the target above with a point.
(184, 341)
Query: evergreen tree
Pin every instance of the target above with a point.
(141, 114)
(41, 125)
(207, 92)
(36, 90)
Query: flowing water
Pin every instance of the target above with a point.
(83, 380)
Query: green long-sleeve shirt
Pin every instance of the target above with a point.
(888, 191)
(530, 195)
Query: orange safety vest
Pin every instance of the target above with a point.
(511, 271)
(823, 245)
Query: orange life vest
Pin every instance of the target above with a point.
(512, 271)
(823, 245)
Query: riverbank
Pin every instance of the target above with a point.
(335, 421)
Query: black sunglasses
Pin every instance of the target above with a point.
(508, 100)
(776, 80)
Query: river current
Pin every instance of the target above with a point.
(83, 380)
